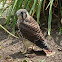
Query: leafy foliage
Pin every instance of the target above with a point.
(33, 7)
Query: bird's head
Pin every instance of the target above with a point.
(22, 13)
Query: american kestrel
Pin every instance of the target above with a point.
(31, 31)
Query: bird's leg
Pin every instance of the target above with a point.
(27, 44)
(31, 47)
(25, 50)
(23, 41)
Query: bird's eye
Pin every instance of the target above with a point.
(21, 12)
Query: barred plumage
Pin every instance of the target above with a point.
(30, 29)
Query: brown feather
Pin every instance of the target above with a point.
(31, 30)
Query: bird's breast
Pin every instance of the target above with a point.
(28, 33)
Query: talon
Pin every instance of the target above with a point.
(26, 51)
(30, 48)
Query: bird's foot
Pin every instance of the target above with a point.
(30, 55)
(30, 48)
(49, 52)
(27, 51)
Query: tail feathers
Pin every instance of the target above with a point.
(42, 44)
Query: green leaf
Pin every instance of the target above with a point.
(39, 10)
(50, 17)
(28, 4)
(33, 6)
(48, 5)
(25, 3)
(8, 31)
(12, 9)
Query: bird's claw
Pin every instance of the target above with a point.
(25, 52)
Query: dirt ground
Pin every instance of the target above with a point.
(11, 48)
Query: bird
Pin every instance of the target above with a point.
(31, 31)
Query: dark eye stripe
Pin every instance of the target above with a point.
(21, 14)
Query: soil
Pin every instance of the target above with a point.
(11, 48)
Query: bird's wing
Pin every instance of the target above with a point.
(31, 30)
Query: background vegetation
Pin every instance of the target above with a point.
(35, 8)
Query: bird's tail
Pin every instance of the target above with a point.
(43, 44)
